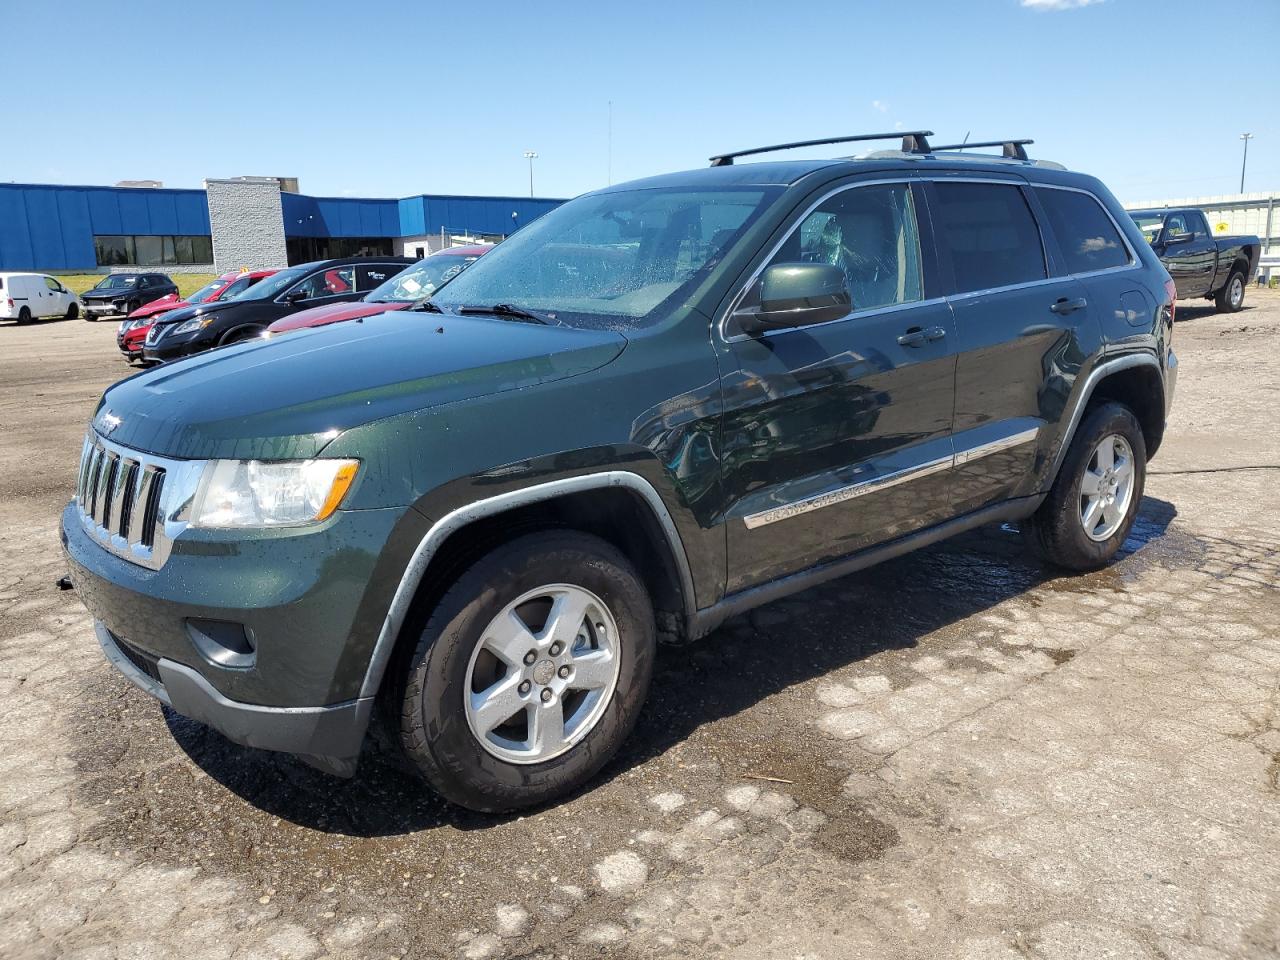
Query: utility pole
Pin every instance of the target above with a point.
(1246, 137)
(609, 170)
(530, 156)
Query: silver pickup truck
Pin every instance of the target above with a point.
(1202, 265)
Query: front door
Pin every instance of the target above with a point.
(837, 436)
(1188, 254)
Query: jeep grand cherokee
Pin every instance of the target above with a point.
(660, 404)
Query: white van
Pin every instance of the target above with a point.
(28, 296)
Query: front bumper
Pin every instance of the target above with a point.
(307, 601)
(100, 308)
(173, 347)
(326, 737)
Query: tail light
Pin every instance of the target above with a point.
(11, 303)
(1171, 291)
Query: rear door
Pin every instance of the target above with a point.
(837, 436)
(1017, 341)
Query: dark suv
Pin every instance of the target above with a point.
(246, 316)
(124, 293)
(659, 405)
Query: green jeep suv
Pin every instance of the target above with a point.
(659, 405)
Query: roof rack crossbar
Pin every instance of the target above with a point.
(1010, 149)
(913, 141)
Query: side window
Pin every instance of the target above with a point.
(869, 233)
(1197, 224)
(53, 284)
(989, 234)
(144, 282)
(1175, 225)
(371, 275)
(327, 283)
(1087, 237)
(235, 287)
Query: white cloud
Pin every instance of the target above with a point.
(880, 106)
(1058, 4)
(897, 124)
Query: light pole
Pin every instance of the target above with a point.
(1246, 137)
(530, 156)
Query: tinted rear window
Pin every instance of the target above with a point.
(989, 234)
(1086, 236)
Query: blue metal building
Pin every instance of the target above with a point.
(84, 229)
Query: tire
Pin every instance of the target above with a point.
(24, 316)
(440, 731)
(1230, 299)
(1057, 532)
(73, 311)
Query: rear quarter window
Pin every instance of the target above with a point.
(988, 233)
(1086, 236)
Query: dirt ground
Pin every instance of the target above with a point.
(957, 754)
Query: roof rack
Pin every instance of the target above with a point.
(913, 141)
(1010, 149)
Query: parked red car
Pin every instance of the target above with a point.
(133, 329)
(418, 281)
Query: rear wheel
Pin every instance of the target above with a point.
(530, 672)
(1094, 500)
(24, 316)
(1230, 298)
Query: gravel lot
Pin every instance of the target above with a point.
(957, 754)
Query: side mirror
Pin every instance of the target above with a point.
(295, 297)
(796, 295)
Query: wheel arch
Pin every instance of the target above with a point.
(1134, 380)
(230, 335)
(621, 507)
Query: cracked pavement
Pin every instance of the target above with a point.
(955, 754)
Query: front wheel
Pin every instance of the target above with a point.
(73, 311)
(1230, 299)
(1094, 499)
(530, 673)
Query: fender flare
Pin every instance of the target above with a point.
(1100, 372)
(455, 520)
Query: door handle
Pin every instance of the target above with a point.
(917, 336)
(1065, 306)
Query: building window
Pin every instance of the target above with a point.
(152, 251)
(307, 249)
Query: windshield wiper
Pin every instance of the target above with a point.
(507, 310)
(426, 306)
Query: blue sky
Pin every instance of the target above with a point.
(393, 99)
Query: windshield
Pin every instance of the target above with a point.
(207, 292)
(1149, 224)
(421, 280)
(610, 260)
(268, 287)
(116, 281)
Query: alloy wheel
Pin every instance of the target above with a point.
(1236, 291)
(1106, 489)
(542, 674)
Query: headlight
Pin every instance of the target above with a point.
(194, 324)
(265, 493)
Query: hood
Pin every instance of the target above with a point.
(113, 293)
(288, 397)
(335, 313)
(164, 304)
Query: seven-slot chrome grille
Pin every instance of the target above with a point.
(121, 498)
